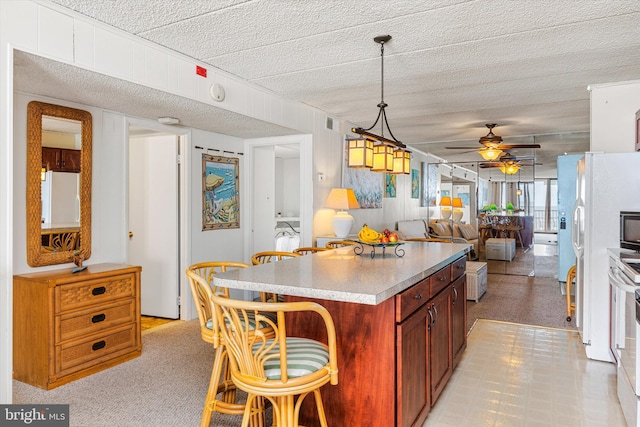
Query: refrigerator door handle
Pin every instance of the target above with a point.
(578, 246)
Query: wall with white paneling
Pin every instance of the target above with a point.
(613, 116)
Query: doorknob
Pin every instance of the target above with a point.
(131, 235)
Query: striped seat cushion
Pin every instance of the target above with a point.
(304, 356)
(252, 320)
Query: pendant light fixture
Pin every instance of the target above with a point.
(389, 154)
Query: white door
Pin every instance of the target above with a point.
(153, 221)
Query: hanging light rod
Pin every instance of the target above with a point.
(382, 105)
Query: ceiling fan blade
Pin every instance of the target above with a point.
(509, 147)
(464, 148)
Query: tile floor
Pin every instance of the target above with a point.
(518, 375)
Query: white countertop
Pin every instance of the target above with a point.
(340, 275)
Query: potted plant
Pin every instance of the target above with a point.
(509, 208)
(493, 207)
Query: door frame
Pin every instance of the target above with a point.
(305, 143)
(184, 207)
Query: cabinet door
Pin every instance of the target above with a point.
(412, 369)
(70, 160)
(50, 158)
(440, 343)
(458, 318)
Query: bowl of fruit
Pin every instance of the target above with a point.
(375, 239)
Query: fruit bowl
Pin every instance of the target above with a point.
(359, 248)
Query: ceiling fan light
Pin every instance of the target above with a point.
(490, 153)
(509, 168)
(360, 153)
(401, 162)
(382, 158)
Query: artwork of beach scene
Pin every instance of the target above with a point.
(220, 198)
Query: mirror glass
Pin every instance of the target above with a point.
(58, 184)
(498, 205)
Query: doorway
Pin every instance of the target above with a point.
(280, 191)
(154, 219)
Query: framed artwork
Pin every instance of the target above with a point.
(389, 185)
(368, 186)
(220, 195)
(415, 184)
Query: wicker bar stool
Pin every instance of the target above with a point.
(277, 368)
(201, 282)
(267, 257)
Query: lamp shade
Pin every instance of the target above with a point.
(510, 168)
(445, 201)
(342, 198)
(401, 162)
(360, 153)
(457, 202)
(382, 158)
(490, 153)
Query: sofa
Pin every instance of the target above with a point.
(440, 229)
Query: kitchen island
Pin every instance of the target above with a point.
(400, 325)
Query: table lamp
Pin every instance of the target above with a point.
(457, 211)
(341, 199)
(445, 209)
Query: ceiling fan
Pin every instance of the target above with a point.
(509, 164)
(492, 146)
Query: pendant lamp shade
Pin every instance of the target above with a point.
(401, 162)
(360, 153)
(382, 158)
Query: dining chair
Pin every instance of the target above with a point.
(280, 367)
(333, 244)
(201, 282)
(309, 250)
(267, 257)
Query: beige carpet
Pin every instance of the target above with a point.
(521, 299)
(163, 387)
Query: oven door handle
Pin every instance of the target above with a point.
(620, 281)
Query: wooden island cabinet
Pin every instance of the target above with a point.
(69, 325)
(400, 352)
(395, 355)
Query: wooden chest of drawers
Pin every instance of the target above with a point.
(67, 326)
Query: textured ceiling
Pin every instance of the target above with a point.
(451, 67)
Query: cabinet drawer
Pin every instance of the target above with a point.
(77, 295)
(81, 354)
(439, 281)
(408, 301)
(90, 321)
(458, 268)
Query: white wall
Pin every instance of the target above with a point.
(613, 109)
(226, 244)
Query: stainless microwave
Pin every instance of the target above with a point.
(630, 230)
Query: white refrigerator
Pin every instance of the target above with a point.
(607, 183)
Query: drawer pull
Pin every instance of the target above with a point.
(419, 296)
(443, 278)
(98, 345)
(98, 318)
(99, 290)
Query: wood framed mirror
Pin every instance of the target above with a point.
(59, 141)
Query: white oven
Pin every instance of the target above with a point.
(625, 328)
